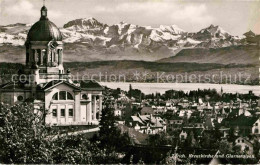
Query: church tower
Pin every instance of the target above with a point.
(44, 83)
(44, 51)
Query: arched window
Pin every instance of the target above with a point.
(62, 95)
(55, 96)
(69, 96)
(84, 96)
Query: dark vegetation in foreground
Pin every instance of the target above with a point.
(26, 139)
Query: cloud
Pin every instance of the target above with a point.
(26, 9)
(194, 14)
(171, 12)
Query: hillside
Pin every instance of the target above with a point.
(153, 72)
(83, 53)
(235, 54)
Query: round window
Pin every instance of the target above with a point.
(85, 96)
(20, 98)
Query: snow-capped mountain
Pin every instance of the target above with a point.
(125, 39)
(14, 34)
(211, 32)
(215, 36)
(84, 25)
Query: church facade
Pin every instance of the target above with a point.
(46, 84)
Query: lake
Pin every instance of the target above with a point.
(148, 88)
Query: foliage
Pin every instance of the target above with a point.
(257, 149)
(191, 141)
(23, 136)
(26, 139)
(160, 139)
(225, 147)
(110, 136)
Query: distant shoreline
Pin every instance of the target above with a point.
(148, 88)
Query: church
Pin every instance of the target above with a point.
(48, 86)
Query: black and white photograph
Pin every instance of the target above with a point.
(130, 82)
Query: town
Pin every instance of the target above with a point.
(196, 119)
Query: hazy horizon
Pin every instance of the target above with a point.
(236, 17)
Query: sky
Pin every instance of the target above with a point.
(234, 16)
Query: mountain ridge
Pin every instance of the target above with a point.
(126, 41)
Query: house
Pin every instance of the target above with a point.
(160, 109)
(183, 135)
(168, 104)
(187, 131)
(256, 127)
(224, 132)
(195, 122)
(135, 136)
(174, 122)
(244, 144)
(183, 104)
(186, 113)
(147, 124)
(242, 125)
(147, 111)
(122, 97)
(219, 118)
(243, 111)
(118, 112)
(120, 104)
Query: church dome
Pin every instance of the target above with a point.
(44, 30)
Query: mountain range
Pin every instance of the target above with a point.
(91, 40)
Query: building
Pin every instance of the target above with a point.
(242, 125)
(147, 111)
(118, 112)
(174, 123)
(46, 84)
(256, 127)
(244, 144)
(197, 133)
(147, 124)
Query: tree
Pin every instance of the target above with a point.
(109, 134)
(256, 149)
(23, 136)
(160, 139)
(191, 141)
(26, 139)
(225, 147)
(130, 91)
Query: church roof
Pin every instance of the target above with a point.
(13, 86)
(54, 83)
(44, 29)
(90, 85)
(82, 85)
